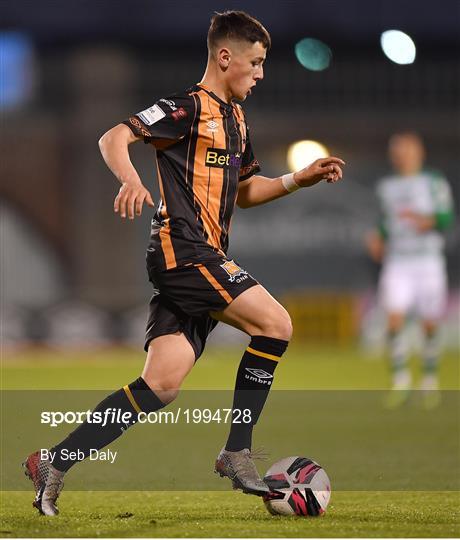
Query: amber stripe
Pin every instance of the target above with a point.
(208, 178)
(216, 188)
(213, 281)
(263, 354)
(130, 396)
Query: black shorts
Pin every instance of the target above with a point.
(184, 297)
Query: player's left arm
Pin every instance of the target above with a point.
(260, 189)
(443, 215)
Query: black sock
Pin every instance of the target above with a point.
(132, 398)
(253, 382)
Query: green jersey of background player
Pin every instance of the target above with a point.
(416, 207)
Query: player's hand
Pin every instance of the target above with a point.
(322, 169)
(420, 222)
(130, 200)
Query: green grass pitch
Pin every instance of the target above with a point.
(232, 514)
(223, 513)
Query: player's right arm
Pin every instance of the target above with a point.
(162, 125)
(375, 244)
(114, 149)
(375, 239)
(442, 216)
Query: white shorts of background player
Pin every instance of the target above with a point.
(414, 285)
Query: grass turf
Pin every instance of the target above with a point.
(312, 367)
(222, 514)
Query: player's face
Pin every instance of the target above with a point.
(245, 68)
(406, 153)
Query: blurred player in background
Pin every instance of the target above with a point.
(206, 165)
(416, 207)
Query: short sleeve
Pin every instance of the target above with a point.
(165, 122)
(249, 163)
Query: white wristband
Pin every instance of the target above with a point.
(289, 183)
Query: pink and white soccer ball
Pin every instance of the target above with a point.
(299, 486)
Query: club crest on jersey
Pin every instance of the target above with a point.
(234, 271)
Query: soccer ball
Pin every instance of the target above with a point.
(298, 486)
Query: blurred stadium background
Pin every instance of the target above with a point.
(73, 272)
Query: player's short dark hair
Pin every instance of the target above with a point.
(239, 26)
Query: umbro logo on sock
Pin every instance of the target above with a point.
(259, 375)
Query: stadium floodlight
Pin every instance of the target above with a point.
(302, 153)
(313, 54)
(398, 46)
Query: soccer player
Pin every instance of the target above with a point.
(206, 165)
(416, 206)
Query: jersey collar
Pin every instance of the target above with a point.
(227, 107)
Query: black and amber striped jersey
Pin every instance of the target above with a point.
(203, 152)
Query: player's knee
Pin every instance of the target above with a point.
(395, 322)
(279, 326)
(430, 328)
(165, 389)
(285, 327)
(167, 396)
